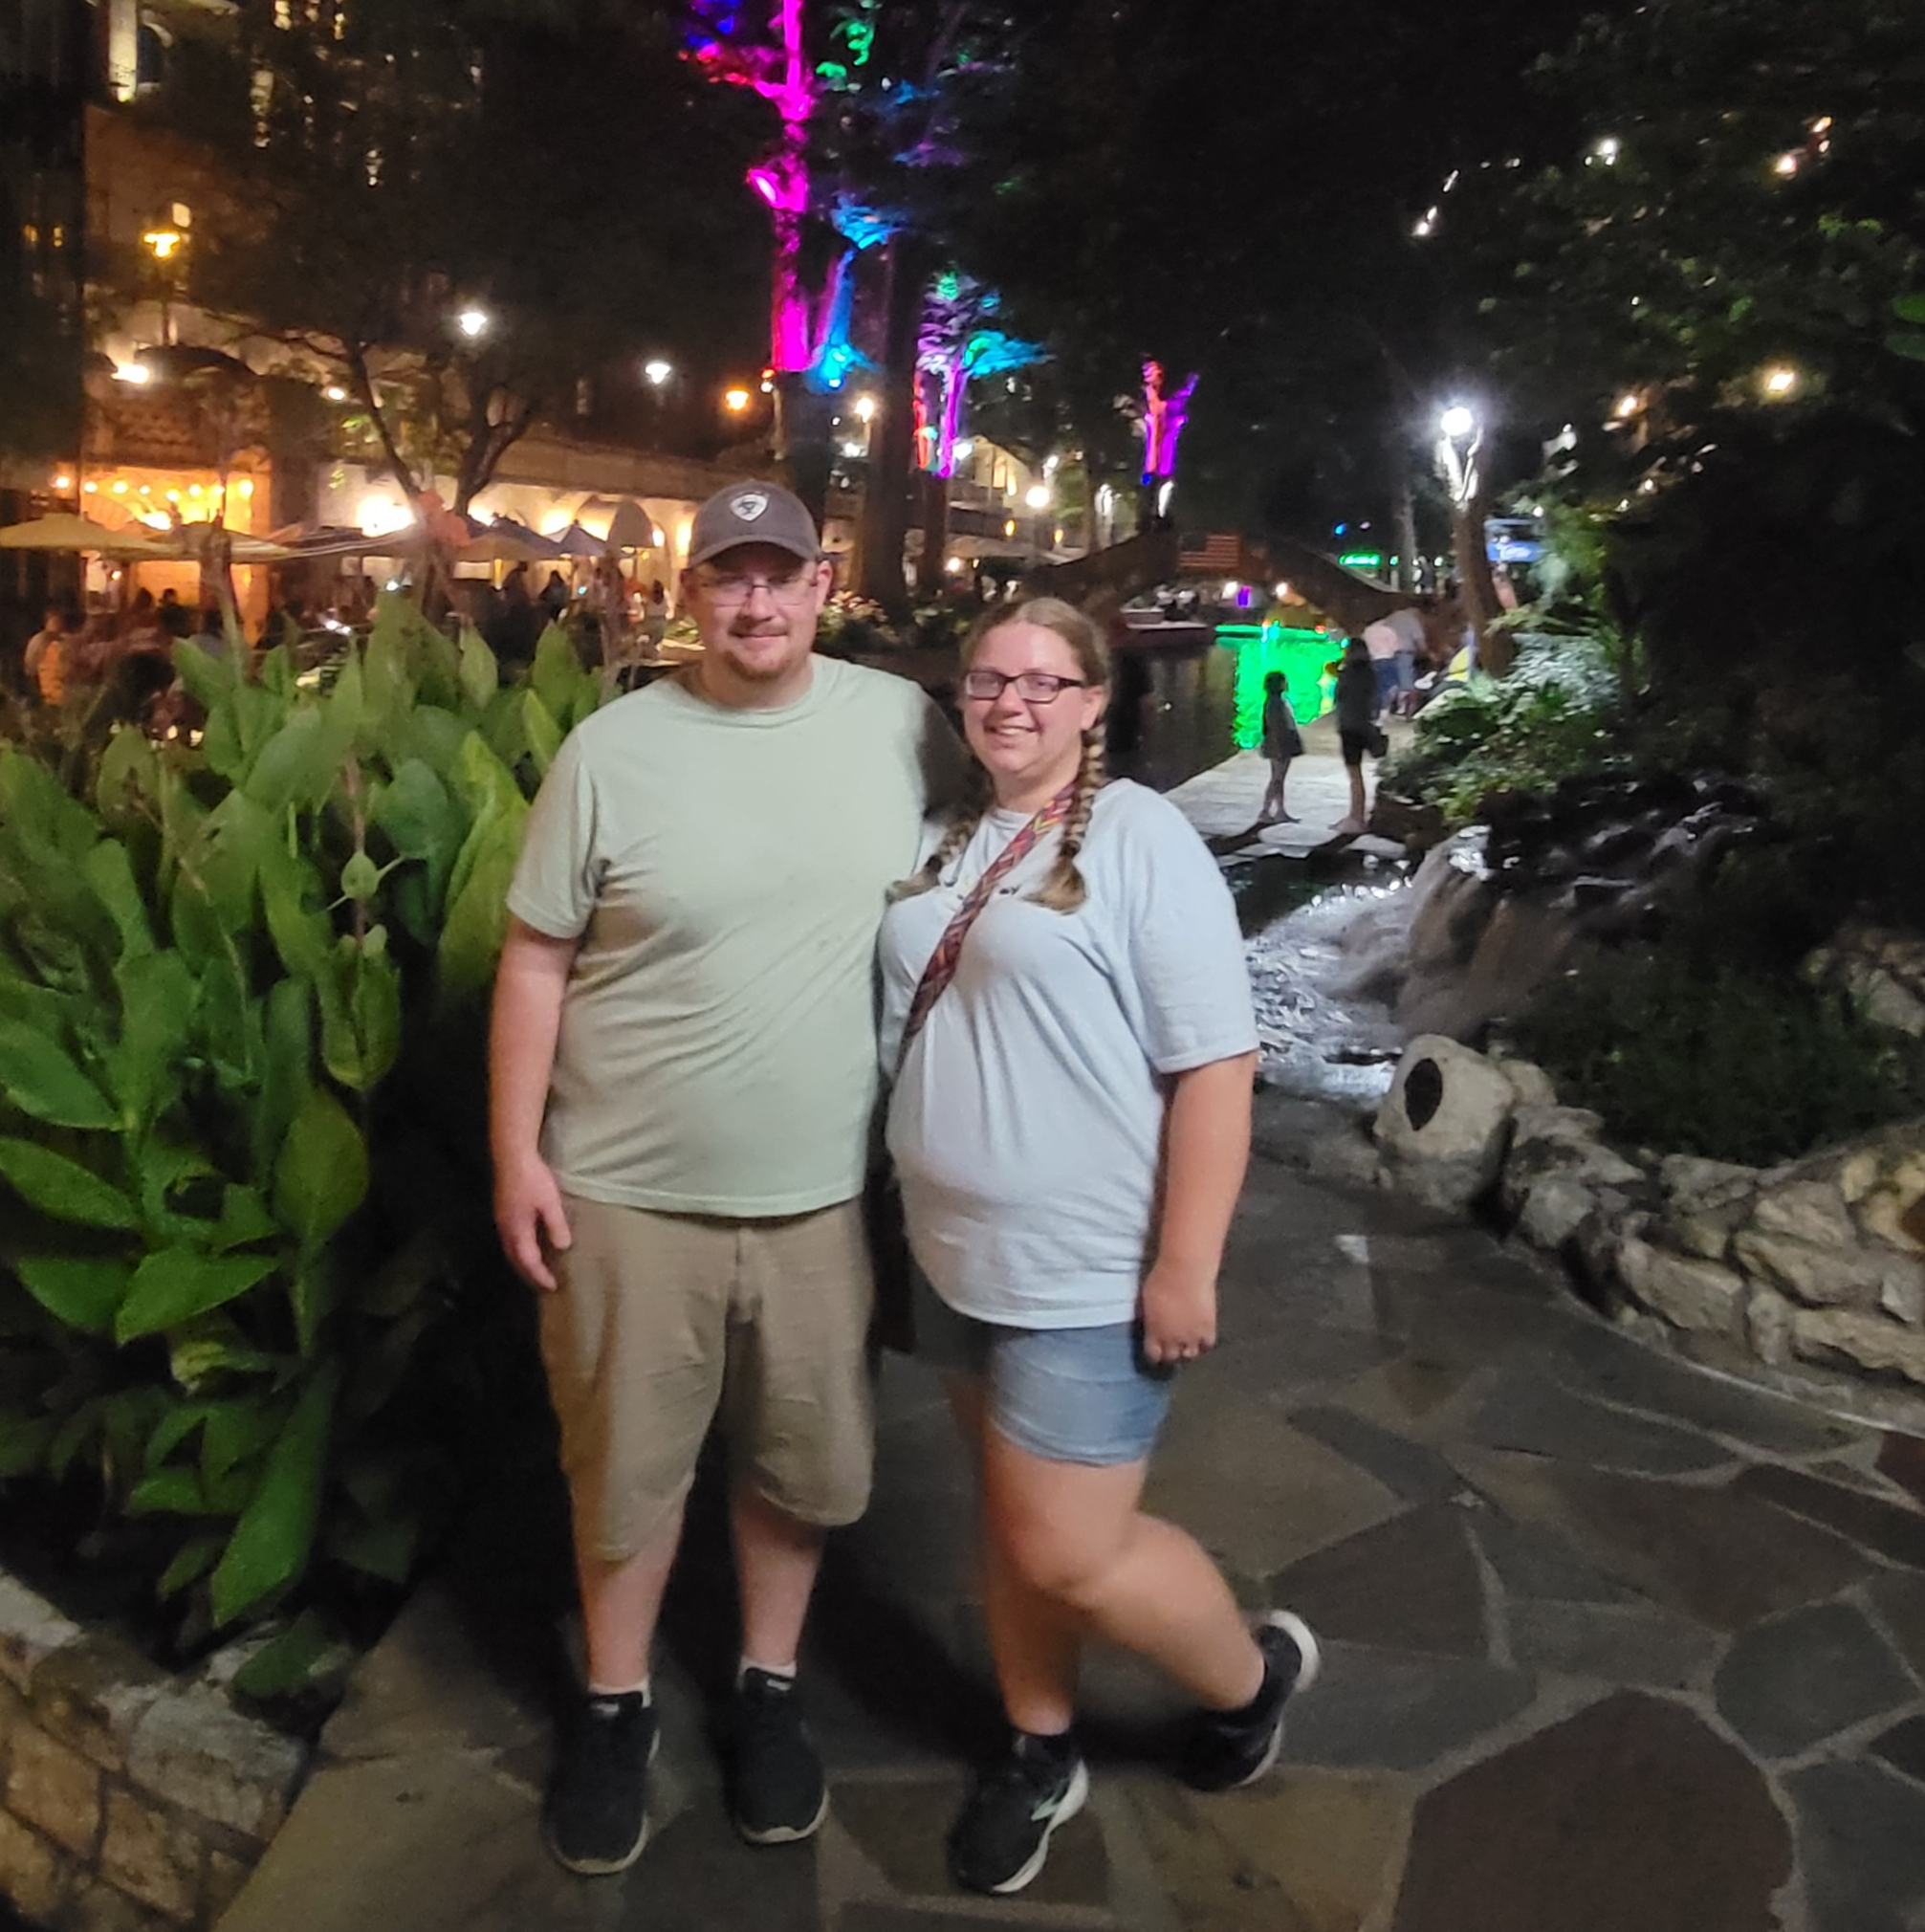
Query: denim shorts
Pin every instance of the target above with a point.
(1064, 1395)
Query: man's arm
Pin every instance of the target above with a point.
(522, 1031)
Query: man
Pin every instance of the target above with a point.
(1407, 623)
(1383, 643)
(687, 996)
(45, 659)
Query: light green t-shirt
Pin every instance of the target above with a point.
(726, 871)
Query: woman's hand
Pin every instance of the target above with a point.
(1179, 1314)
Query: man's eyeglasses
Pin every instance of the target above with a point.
(1033, 687)
(738, 587)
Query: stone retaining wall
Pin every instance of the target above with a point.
(1817, 1264)
(130, 1800)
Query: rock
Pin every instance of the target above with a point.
(195, 1749)
(1530, 1082)
(1767, 1322)
(1819, 1275)
(1555, 1207)
(1871, 1342)
(31, 1630)
(151, 1855)
(1903, 1295)
(1707, 1233)
(1444, 1124)
(1691, 1183)
(33, 1874)
(1883, 971)
(54, 1789)
(1566, 1126)
(1893, 1209)
(1345, 1157)
(1809, 1211)
(1696, 1295)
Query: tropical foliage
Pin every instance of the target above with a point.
(241, 986)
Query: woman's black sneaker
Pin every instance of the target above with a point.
(777, 1793)
(1228, 1749)
(1002, 1840)
(595, 1819)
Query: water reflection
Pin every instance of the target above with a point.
(1179, 706)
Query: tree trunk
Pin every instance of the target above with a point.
(1476, 589)
(1404, 515)
(803, 442)
(885, 501)
(1354, 601)
(936, 534)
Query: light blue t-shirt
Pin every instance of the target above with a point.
(1027, 1123)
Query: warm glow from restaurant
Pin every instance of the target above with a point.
(736, 400)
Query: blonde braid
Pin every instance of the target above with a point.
(976, 797)
(1064, 890)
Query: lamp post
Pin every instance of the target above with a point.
(1460, 450)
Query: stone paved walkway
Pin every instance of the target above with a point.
(1613, 1647)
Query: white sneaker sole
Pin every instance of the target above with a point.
(787, 1834)
(607, 1868)
(1073, 1801)
(1308, 1670)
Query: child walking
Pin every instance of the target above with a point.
(1282, 741)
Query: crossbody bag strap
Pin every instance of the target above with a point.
(944, 960)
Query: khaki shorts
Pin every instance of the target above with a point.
(662, 1322)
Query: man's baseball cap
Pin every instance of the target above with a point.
(753, 513)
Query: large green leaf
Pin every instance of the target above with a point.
(209, 679)
(476, 924)
(81, 1292)
(1910, 308)
(286, 1663)
(291, 894)
(286, 1073)
(157, 1009)
(422, 819)
(227, 857)
(480, 675)
(297, 766)
(128, 785)
(63, 1188)
(110, 871)
(273, 1541)
(544, 734)
(244, 1219)
(191, 1561)
(361, 1011)
(387, 688)
(41, 1079)
(559, 680)
(169, 1492)
(178, 1283)
(322, 1176)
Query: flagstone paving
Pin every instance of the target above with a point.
(1611, 1645)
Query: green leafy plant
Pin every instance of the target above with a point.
(1555, 714)
(230, 985)
(1718, 1060)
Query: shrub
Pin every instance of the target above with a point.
(1718, 1060)
(1556, 715)
(240, 1007)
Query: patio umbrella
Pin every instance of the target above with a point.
(503, 546)
(67, 531)
(631, 528)
(542, 549)
(576, 542)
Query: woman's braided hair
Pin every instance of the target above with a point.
(1064, 890)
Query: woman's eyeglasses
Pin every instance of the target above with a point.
(1033, 687)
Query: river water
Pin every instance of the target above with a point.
(1313, 928)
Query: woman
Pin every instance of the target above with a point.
(1070, 1122)
(1282, 741)
(1357, 730)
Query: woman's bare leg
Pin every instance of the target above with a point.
(1072, 1535)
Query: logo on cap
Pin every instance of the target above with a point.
(749, 505)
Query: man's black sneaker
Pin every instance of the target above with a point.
(595, 1819)
(1228, 1749)
(776, 1794)
(999, 1842)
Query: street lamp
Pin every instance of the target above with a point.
(865, 408)
(657, 372)
(474, 323)
(736, 400)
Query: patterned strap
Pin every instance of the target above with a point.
(944, 960)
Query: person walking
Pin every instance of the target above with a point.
(1068, 1014)
(44, 660)
(1357, 728)
(683, 1080)
(1382, 642)
(1282, 741)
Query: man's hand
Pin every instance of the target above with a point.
(1179, 1314)
(527, 1208)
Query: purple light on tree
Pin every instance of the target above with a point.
(1163, 419)
(952, 347)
